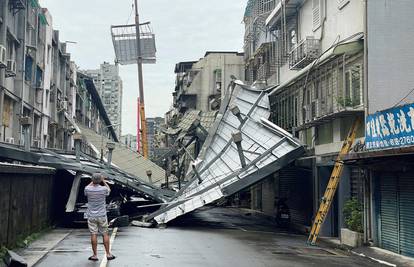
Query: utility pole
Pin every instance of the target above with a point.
(141, 86)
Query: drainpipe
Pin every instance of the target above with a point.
(23, 70)
(3, 38)
(26, 124)
(111, 147)
(237, 139)
(77, 138)
(366, 103)
(366, 220)
(368, 215)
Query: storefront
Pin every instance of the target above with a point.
(389, 163)
(395, 212)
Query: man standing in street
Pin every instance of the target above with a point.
(96, 214)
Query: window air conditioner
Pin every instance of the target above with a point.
(11, 67)
(3, 59)
(10, 140)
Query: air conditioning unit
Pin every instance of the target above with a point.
(11, 68)
(3, 57)
(10, 140)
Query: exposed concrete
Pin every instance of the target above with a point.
(382, 255)
(350, 238)
(39, 248)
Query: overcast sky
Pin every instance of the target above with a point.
(185, 30)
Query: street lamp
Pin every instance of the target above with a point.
(102, 136)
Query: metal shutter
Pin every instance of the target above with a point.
(316, 14)
(295, 185)
(389, 212)
(406, 183)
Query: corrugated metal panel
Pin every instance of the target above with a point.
(406, 203)
(267, 148)
(389, 212)
(127, 159)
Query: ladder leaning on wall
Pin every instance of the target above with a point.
(333, 184)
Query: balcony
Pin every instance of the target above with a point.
(304, 53)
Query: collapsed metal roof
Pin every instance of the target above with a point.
(88, 165)
(126, 159)
(223, 168)
(189, 118)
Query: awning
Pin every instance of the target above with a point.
(34, 3)
(42, 19)
(87, 165)
(378, 154)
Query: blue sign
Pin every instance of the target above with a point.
(390, 128)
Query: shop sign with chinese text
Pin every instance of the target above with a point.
(390, 128)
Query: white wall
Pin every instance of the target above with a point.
(339, 24)
(390, 53)
(204, 82)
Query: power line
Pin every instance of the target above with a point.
(405, 97)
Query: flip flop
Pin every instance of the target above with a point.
(112, 257)
(92, 258)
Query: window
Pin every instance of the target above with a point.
(293, 39)
(28, 68)
(316, 89)
(353, 86)
(10, 49)
(217, 79)
(316, 14)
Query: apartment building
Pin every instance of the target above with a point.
(201, 84)
(312, 53)
(41, 91)
(129, 141)
(153, 131)
(109, 85)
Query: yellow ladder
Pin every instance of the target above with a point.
(332, 185)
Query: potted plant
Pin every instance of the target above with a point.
(353, 216)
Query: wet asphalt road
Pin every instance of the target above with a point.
(211, 237)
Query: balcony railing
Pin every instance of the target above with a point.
(304, 53)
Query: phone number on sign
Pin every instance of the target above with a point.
(398, 141)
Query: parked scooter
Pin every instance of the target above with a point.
(282, 213)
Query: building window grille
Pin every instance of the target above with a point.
(353, 92)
